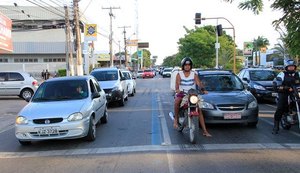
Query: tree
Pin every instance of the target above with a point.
(146, 58)
(290, 19)
(199, 44)
(259, 43)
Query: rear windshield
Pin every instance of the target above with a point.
(105, 75)
(221, 82)
(147, 70)
(262, 75)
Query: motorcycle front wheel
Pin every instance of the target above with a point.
(194, 129)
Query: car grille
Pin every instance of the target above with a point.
(60, 133)
(47, 120)
(270, 88)
(231, 107)
(107, 90)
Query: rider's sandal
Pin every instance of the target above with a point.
(206, 134)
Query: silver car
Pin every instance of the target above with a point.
(130, 81)
(63, 108)
(20, 84)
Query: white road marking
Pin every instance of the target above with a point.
(151, 148)
(165, 131)
(271, 106)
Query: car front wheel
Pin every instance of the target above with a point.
(91, 136)
(26, 93)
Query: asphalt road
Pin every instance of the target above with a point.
(139, 137)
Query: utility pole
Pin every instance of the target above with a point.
(70, 65)
(120, 53)
(111, 34)
(125, 45)
(78, 39)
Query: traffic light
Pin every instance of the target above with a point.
(198, 18)
(219, 30)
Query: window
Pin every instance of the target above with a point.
(15, 77)
(2, 76)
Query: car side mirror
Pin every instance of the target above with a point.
(278, 79)
(95, 95)
(134, 77)
(245, 79)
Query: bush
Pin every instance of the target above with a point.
(62, 72)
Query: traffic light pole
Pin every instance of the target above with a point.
(232, 27)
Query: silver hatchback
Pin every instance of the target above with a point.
(20, 84)
(63, 108)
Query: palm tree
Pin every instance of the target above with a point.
(259, 43)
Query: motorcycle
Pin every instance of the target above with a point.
(188, 120)
(292, 116)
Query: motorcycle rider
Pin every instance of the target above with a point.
(289, 77)
(185, 80)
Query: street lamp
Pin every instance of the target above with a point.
(232, 27)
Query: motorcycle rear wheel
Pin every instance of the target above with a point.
(285, 125)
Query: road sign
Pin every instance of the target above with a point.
(248, 48)
(143, 45)
(140, 53)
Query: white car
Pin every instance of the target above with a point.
(130, 80)
(62, 108)
(20, 84)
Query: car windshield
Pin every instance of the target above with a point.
(105, 75)
(262, 75)
(221, 82)
(148, 71)
(126, 75)
(168, 70)
(140, 71)
(61, 91)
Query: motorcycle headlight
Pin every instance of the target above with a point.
(253, 104)
(75, 117)
(206, 105)
(194, 99)
(259, 87)
(21, 120)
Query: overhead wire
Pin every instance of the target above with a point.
(45, 8)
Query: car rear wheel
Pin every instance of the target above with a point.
(26, 93)
(91, 136)
(25, 142)
(121, 102)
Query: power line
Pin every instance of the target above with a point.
(45, 8)
(41, 1)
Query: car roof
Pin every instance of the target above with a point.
(213, 71)
(253, 69)
(105, 69)
(66, 78)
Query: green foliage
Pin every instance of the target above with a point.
(199, 44)
(62, 72)
(290, 20)
(146, 58)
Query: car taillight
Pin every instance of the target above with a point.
(35, 83)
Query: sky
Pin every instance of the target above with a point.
(160, 22)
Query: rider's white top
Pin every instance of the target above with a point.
(187, 83)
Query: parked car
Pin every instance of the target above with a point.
(167, 72)
(259, 82)
(227, 100)
(20, 84)
(62, 108)
(140, 74)
(114, 84)
(148, 74)
(130, 80)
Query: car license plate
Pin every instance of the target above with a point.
(230, 116)
(274, 94)
(47, 131)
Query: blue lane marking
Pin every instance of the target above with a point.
(156, 129)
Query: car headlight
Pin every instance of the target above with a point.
(193, 99)
(253, 104)
(21, 120)
(259, 87)
(206, 105)
(75, 117)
